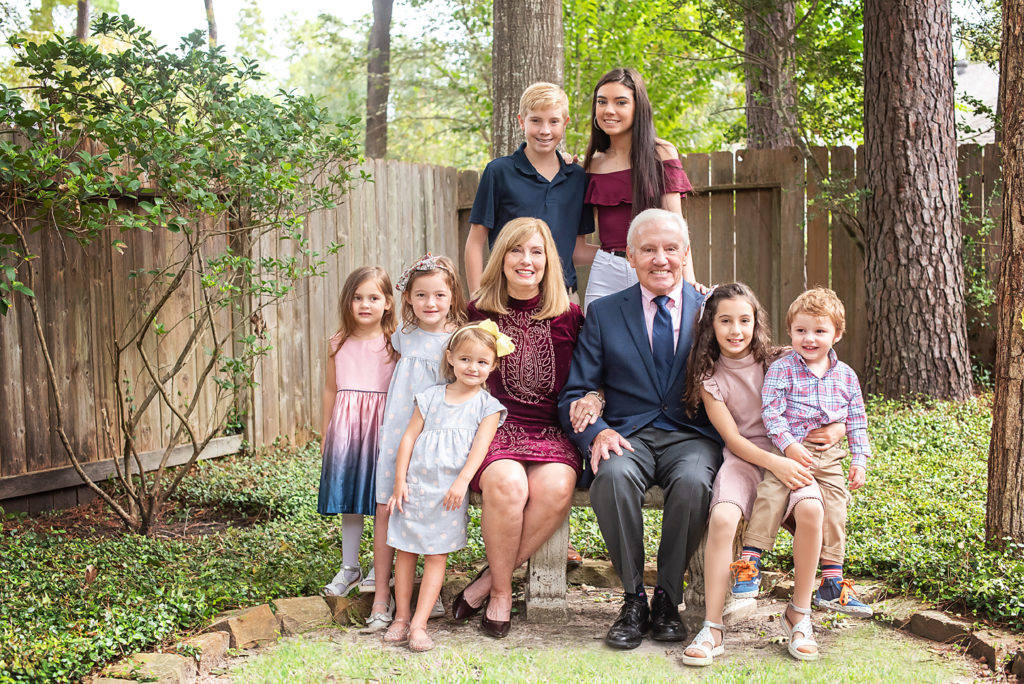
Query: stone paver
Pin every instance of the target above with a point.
(248, 627)
(938, 626)
(297, 615)
(210, 648)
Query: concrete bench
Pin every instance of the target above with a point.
(546, 585)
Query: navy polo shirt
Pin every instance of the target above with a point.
(511, 188)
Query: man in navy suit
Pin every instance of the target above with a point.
(634, 346)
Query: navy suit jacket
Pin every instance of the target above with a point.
(613, 353)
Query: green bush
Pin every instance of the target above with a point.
(918, 525)
(919, 522)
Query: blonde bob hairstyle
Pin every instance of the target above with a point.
(492, 296)
(474, 335)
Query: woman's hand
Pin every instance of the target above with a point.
(790, 473)
(456, 495)
(400, 496)
(700, 287)
(584, 411)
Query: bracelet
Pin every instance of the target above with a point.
(598, 395)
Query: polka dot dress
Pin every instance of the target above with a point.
(418, 369)
(437, 458)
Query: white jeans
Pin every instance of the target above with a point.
(608, 274)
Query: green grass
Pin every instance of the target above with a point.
(918, 525)
(865, 653)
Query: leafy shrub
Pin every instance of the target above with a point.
(919, 522)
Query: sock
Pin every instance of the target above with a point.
(641, 594)
(351, 535)
(751, 553)
(832, 571)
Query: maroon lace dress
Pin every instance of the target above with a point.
(527, 383)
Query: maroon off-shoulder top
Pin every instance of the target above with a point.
(612, 195)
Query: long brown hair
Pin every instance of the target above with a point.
(647, 175)
(347, 322)
(457, 314)
(493, 293)
(705, 350)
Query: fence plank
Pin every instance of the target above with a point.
(723, 242)
(33, 370)
(848, 270)
(697, 212)
(789, 164)
(756, 229)
(994, 204)
(816, 261)
(12, 392)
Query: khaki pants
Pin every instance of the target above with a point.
(773, 500)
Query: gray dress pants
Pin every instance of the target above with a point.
(684, 464)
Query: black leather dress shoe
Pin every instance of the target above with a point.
(498, 629)
(633, 622)
(461, 610)
(665, 622)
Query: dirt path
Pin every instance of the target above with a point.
(752, 653)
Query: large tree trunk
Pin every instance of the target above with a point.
(1005, 510)
(769, 27)
(378, 80)
(211, 23)
(526, 48)
(82, 26)
(917, 332)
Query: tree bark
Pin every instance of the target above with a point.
(1005, 507)
(768, 29)
(82, 26)
(378, 80)
(917, 332)
(527, 47)
(211, 23)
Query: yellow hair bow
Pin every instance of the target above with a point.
(502, 342)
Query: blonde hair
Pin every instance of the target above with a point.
(456, 314)
(819, 302)
(542, 95)
(347, 322)
(470, 333)
(493, 293)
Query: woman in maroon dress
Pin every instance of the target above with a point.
(629, 169)
(530, 471)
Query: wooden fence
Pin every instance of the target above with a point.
(757, 216)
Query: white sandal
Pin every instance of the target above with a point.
(338, 586)
(700, 642)
(378, 622)
(804, 627)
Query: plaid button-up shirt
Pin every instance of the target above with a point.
(795, 401)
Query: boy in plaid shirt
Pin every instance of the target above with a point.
(805, 389)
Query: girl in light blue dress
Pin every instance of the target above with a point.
(433, 306)
(446, 440)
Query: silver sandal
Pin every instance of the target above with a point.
(379, 621)
(700, 642)
(804, 627)
(338, 586)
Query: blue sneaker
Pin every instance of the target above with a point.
(748, 578)
(838, 596)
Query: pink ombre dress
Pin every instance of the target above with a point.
(363, 370)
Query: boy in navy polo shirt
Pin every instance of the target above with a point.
(533, 181)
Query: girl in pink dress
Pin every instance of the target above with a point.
(629, 169)
(360, 362)
(725, 371)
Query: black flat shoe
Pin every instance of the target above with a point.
(633, 622)
(665, 622)
(461, 610)
(498, 629)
